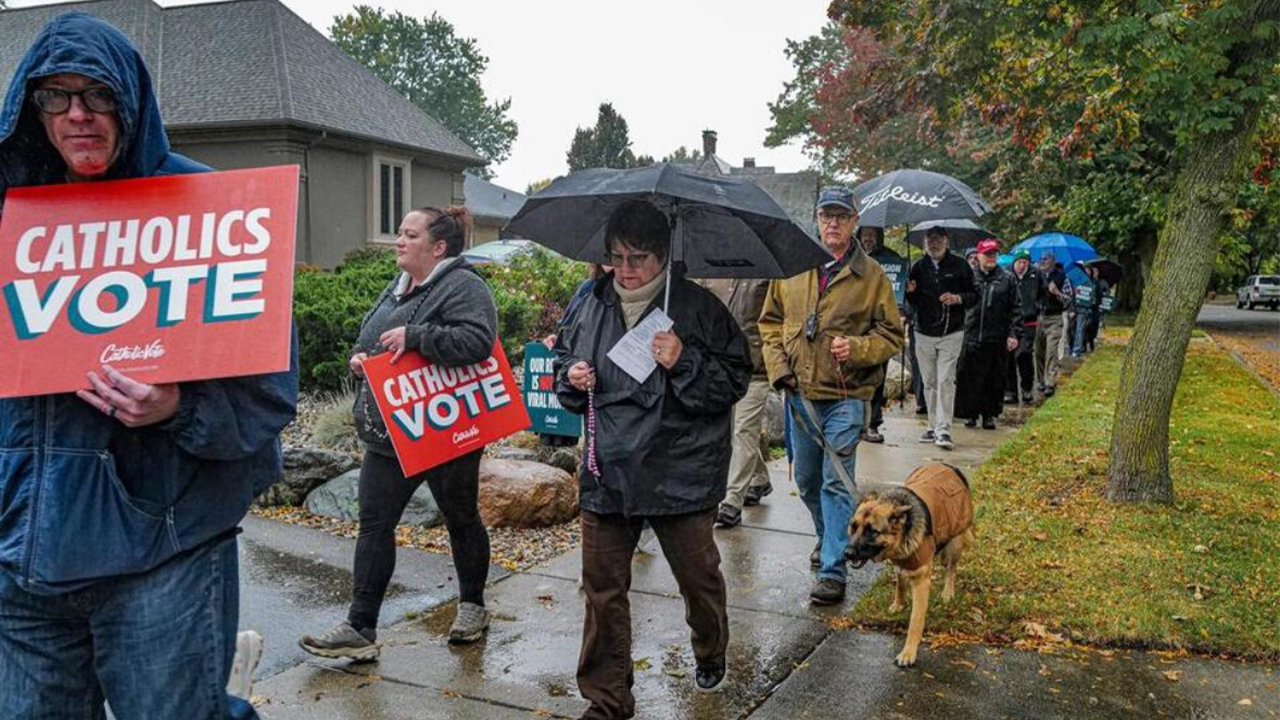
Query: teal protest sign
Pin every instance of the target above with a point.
(895, 268)
(540, 396)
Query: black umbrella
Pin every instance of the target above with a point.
(963, 234)
(1108, 270)
(910, 197)
(907, 197)
(725, 227)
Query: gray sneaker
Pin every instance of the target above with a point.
(944, 441)
(248, 654)
(470, 624)
(342, 641)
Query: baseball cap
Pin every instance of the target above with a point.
(990, 245)
(1022, 255)
(837, 196)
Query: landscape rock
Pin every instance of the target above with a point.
(305, 469)
(340, 498)
(517, 493)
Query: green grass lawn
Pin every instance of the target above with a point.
(1201, 575)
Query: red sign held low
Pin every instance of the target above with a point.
(435, 414)
(182, 277)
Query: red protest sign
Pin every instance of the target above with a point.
(435, 414)
(183, 277)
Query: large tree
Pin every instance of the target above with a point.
(1093, 79)
(606, 144)
(435, 69)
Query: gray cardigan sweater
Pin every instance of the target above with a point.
(450, 319)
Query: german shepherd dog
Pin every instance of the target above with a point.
(930, 515)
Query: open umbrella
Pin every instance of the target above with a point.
(1108, 270)
(964, 234)
(1067, 249)
(724, 227)
(908, 197)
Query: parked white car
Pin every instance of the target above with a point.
(1259, 290)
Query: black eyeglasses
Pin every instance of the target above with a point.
(56, 101)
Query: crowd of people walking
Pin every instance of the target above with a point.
(152, 480)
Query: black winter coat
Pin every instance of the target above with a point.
(952, 275)
(996, 316)
(1032, 290)
(662, 446)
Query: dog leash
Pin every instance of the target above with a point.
(819, 437)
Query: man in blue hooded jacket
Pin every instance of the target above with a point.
(119, 505)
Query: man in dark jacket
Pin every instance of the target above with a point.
(118, 564)
(1031, 291)
(939, 288)
(657, 450)
(1052, 325)
(992, 328)
(748, 475)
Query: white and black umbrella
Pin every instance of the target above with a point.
(963, 234)
(909, 197)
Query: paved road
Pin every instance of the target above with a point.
(1262, 326)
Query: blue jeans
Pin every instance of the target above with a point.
(824, 494)
(1077, 337)
(155, 645)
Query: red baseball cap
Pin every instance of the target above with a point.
(989, 245)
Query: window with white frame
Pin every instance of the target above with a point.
(390, 199)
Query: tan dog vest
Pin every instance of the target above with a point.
(942, 490)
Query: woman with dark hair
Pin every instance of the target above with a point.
(439, 307)
(657, 450)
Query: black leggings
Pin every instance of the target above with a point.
(384, 494)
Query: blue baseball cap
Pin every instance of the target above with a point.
(838, 196)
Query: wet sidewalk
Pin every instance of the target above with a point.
(784, 660)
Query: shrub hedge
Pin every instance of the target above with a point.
(530, 295)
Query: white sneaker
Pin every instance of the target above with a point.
(248, 653)
(944, 441)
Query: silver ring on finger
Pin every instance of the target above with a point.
(111, 411)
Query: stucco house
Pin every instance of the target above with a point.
(247, 83)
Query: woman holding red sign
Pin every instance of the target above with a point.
(657, 450)
(441, 308)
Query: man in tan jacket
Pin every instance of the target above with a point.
(827, 335)
(748, 475)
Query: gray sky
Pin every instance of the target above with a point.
(671, 68)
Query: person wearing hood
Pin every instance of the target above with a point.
(657, 450)
(872, 241)
(118, 559)
(439, 307)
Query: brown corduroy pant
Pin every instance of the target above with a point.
(608, 542)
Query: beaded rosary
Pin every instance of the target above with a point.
(592, 466)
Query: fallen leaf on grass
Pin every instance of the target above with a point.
(965, 664)
(1245, 701)
(676, 672)
(1200, 549)
(1172, 675)
(1041, 536)
(1040, 632)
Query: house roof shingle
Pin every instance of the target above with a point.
(486, 200)
(249, 62)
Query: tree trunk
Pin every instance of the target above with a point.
(1203, 193)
